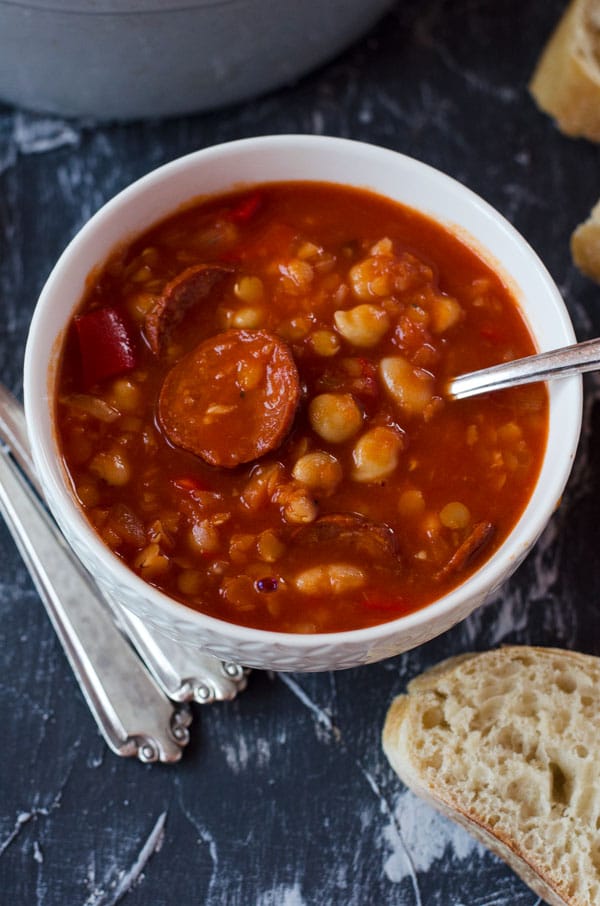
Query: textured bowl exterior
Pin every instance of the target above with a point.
(149, 58)
(274, 158)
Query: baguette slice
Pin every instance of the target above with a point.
(566, 82)
(507, 743)
(585, 245)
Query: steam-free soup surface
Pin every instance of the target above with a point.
(250, 408)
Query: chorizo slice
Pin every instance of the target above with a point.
(232, 399)
(375, 540)
(186, 289)
(479, 537)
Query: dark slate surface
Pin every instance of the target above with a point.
(284, 797)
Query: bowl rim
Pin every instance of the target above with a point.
(480, 583)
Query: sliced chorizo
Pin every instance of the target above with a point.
(232, 399)
(188, 288)
(477, 539)
(375, 540)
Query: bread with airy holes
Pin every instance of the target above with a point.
(566, 81)
(507, 743)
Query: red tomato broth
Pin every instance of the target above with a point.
(227, 541)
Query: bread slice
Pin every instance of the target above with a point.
(566, 82)
(507, 743)
(585, 245)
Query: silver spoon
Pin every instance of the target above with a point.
(131, 711)
(183, 672)
(542, 367)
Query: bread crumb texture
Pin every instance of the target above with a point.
(566, 82)
(511, 740)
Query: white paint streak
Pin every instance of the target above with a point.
(110, 894)
(205, 837)
(237, 757)
(323, 719)
(38, 855)
(263, 752)
(394, 831)
(36, 135)
(418, 831)
(24, 818)
(132, 875)
(282, 896)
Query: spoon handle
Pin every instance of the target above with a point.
(133, 714)
(555, 363)
(182, 671)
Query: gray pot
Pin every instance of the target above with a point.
(122, 59)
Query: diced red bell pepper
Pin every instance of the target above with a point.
(246, 208)
(105, 344)
(367, 384)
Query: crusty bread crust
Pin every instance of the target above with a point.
(585, 245)
(405, 735)
(566, 81)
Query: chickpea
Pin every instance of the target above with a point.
(411, 388)
(239, 591)
(294, 329)
(139, 304)
(332, 578)
(455, 515)
(112, 467)
(300, 508)
(363, 325)
(204, 537)
(309, 250)
(126, 395)
(325, 342)
(241, 547)
(151, 561)
(82, 404)
(510, 433)
(297, 275)
(445, 313)
(269, 547)
(370, 278)
(248, 317)
(156, 533)
(263, 483)
(383, 247)
(376, 454)
(249, 290)
(319, 471)
(411, 503)
(335, 416)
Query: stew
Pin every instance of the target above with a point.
(249, 406)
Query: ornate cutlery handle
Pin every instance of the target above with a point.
(133, 714)
(183, 672)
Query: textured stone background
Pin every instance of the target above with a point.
(284, 797)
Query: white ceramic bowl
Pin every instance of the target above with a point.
(219, 169)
